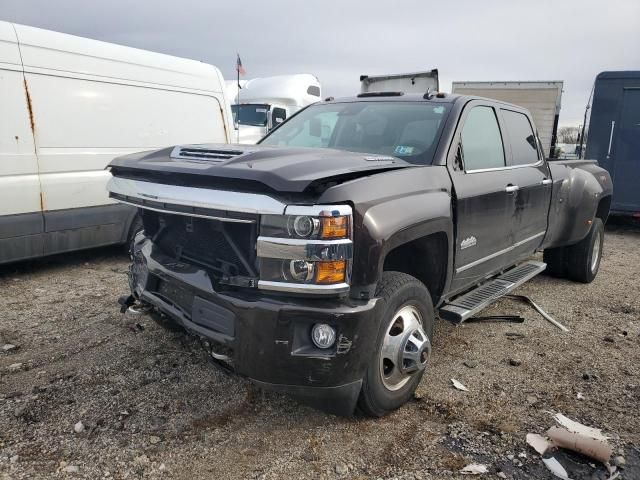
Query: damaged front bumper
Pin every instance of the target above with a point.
(269, 335)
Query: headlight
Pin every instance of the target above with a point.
(308, 249)
(299, 270)
(303, 226)
(303, 271)
(324, 225)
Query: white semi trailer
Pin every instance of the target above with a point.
(541, 98)
(261, 104)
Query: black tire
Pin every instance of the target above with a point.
(397, 291)
(556, 260)
(584, 257)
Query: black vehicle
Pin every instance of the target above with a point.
(318, 260)
(614, 136)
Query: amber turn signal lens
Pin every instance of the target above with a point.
(331, 272)
(334, 227)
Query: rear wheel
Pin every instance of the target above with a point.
(403, 345)
(584, 257)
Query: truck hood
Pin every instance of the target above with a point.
(281, 169)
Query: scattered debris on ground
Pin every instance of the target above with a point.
(457, 385)
(154, 405)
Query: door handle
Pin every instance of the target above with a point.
(613, 126)
(511, 188)
(546, 181)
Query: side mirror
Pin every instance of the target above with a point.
(278, 116)
(315, 127)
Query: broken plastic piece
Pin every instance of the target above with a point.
(556, 468)
(537, 308)
(597, 449)
(579, 438)
(458, 385)
(474, 469)
(577, 427)
(538, 443)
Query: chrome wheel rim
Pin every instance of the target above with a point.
(405, 348)
(595, 256)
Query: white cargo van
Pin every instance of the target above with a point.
(68, 105)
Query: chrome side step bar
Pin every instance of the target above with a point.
(466, 306)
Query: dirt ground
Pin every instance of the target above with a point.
(152, 404)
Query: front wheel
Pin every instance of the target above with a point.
(584, 257)
(403, 346)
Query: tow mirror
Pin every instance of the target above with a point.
(278, 115)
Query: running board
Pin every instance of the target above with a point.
(466, 306)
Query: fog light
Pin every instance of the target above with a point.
(323, 335)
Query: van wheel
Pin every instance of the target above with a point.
(403, 345)
(584, 257)
(556, 260)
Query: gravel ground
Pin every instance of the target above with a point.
(152, 404)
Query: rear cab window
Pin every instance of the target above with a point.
(519, 132)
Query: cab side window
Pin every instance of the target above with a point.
(481, 140)
(522, 138)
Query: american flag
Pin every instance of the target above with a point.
(239, 68)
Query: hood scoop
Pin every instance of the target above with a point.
(199, 153)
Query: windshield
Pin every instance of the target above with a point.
(408, 130)
(250, 114)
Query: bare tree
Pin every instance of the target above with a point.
(568, 134)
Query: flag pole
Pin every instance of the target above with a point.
(238, 100)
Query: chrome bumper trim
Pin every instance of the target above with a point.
(333, 289)
(318, 210)
(197, 197)
(186, 214)
(296, 249)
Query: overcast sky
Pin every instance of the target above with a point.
(338, 40)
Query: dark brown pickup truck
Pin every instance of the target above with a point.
(317, 261)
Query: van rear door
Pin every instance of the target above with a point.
(21, 221)
(626, 153)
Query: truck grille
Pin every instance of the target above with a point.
(205, 154)
(223, 249)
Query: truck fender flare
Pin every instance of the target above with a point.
(421, 215)
(574, 205)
